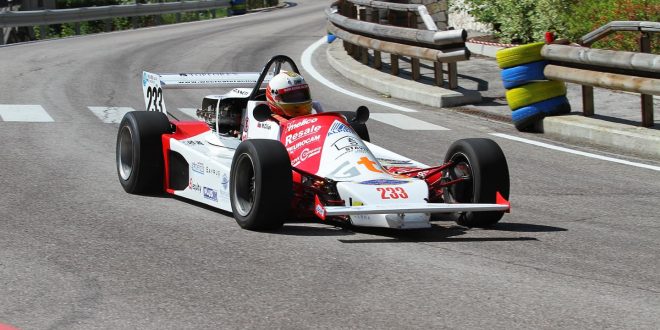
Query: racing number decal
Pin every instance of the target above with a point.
(392, 193)
(155, 95)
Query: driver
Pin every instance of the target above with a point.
(288, 95)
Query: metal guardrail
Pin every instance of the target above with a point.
(617, 26)
(619, 70)
(358, 24)
(57, 16)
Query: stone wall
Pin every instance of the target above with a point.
(461, 19)
(438, 11)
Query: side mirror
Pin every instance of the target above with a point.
(261, 112)
(361, 115)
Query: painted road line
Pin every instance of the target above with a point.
(190, 112)
(306, 60)
(24, 112)
(110, 115)
(576, 152)
(405, 122)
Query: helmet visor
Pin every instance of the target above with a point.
(295, 94)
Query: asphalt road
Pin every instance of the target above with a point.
(580, 249)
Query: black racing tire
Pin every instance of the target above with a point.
(483, 163)
(261, 184)
(360, 129)
(139, 151)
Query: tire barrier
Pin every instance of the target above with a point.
(525, 117)
(510, 57)
(534, 92)
(523, 74)
(529, 94)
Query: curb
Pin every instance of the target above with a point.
(394, 86)
(633, 139)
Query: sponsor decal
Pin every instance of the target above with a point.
(240, 91)
(356, 203)
(305, 154)
(194, 186)
(339, 127)
(319, 210)
(303, 143)
(392, 193)
(225, 181)
(348, 144)
(197, 167)
(245, 129)
(193, 142)
(212, 171)
(211, 194)
(369, 164)
(344, 171)
(379, 182)
(264, 125)
(394, 162)
(300, 123)
(301, 134)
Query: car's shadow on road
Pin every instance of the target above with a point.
(437, 233)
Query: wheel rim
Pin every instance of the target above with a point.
(461, 192)
(125, 159)
(245, 190)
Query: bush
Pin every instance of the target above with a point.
(525, 21)
(588, 16)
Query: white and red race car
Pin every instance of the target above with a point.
(267, 169)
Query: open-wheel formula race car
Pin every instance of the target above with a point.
(266, 169)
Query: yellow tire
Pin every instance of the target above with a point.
(535, 92)
(510, 57)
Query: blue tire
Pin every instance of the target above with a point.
(523, 74)
(526, 117)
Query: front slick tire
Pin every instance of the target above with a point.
(482, 163)
(261, 184)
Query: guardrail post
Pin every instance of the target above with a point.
(437, 68)
(587, 101)
(646, 100)
(76, 28)
(414, 62)
(364, 52)
(107, 25)
(452, 75)
(357, 50)
(373, 17)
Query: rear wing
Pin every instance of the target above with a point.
(153, 84)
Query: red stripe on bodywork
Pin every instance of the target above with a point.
(182, 130)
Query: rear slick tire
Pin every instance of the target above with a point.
(139, 152)
(482, 163)
(261, 184)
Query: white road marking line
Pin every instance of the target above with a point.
(576, 152)
(110, 115)
(405, 122)
(190, 112)
(24, 112)
(306, 60)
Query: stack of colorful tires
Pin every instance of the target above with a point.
(530, 95)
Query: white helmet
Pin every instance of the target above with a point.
(288, 95)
